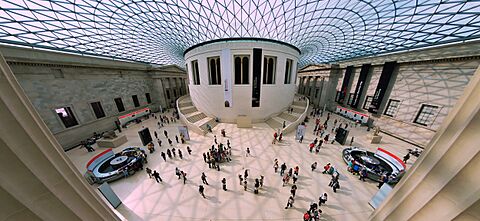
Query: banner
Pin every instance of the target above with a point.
(257, 76)
(382, 86)
(226, 70)
(183, 130)
(345, 83)
(300, 132)
(360, 85)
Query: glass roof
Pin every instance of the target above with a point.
(158, 32)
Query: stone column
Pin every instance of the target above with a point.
(444, 182)
(39, 182)
(300, 85)
(312, 88)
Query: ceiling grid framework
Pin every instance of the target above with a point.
(158, 32)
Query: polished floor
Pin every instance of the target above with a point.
(144, 199)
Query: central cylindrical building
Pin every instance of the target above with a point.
(242, 77)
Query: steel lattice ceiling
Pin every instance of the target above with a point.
(159, 31)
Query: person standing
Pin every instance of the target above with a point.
(204, 178)
(157, 176)
(177, 172)
(280, 137)
(295, 177)
(201, 190)
(163, 156)
(261, 180)
(224, 183)
(180, 154)
(240, 178)
(282, 169)
(275, 165)
(174, 153)
(155, 133)
(184, 175)
(215, 139)
(176, 138)
(205, 157)
(245, 174)
(165, 133)
(149, 172)
(245, 185)
(159, 142)
(314, 166)
(290, 202)
(247, 152)
(190, 151)
(170, 141)
(169, 153)
(351, 141)
(257, 185)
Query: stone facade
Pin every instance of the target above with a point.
(50, 85)
(418, 80)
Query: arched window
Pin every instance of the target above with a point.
(269, 69)
(288, 72)
(241, 69)
(214, 76)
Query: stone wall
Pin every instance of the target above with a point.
(50, 84)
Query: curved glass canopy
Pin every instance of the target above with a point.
(158, 32)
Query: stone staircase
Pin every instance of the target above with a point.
(194, 116)
(298, 106)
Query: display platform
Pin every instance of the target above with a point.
(111, 143)
(108, 166)
(376, 164)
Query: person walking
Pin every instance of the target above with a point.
(261, 180)
(180, 154)
(190, 151)
(295, 177)
(290, 202)
(322, 199)
(247, 152)
(176, 138)
(301, 139)
(157, 176)
(406, 157)
(245, 185)
(149, 172)
(224, 184)
(163, 156)
(170, 142)
(169, 153)
(165, 133)
(275, 165)
(177, 172)
(245, 174)
(174, 153)
(351, 141)
(205, 157)
(204, 178)
(240, 178)
(293, 190)
(257, 185)
(201, 190)
(155, 133)
(280, 137)
(215, 139)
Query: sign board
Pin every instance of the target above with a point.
(300, 131)
(108, 193)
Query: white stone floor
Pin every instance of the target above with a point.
(144, 199)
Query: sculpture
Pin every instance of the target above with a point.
(376, 130)
(109, 135)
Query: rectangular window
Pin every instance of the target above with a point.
(168, 94)
(367, 102)
(426, 114)
(174, 93)
(135, 101)
(195, 73)
(119, 103)
(214, 75)
(288, 72)
(97, 109)
(392, 107)
(241, 69)
(147, 96)
(67, 117)
(269, 69)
